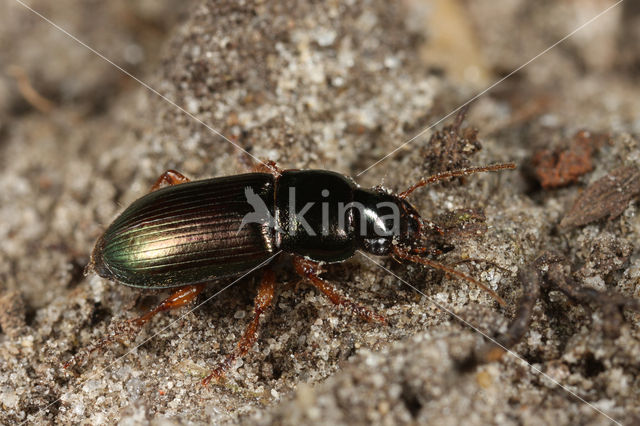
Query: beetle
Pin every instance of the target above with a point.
(184, 234)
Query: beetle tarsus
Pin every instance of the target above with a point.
(263, 300)
(119, 330)
(130, 328)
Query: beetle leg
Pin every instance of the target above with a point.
(268, 167)
(180, 297)
(168, 178)
(263, 301)
(310, 270)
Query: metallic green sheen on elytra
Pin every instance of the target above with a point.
(187, 234)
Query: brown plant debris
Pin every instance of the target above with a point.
(556, 278)
(564, 165)
(451, 147)
(530, 279)
(609, 303)
(608, 196)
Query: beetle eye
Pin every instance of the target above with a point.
(378, 246)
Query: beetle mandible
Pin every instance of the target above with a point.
(185, 234)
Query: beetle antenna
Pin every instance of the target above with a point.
(455, 173)
(404, 254)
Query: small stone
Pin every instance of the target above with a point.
(9, 399)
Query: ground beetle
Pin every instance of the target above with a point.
(185, 234)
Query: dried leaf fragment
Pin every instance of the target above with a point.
(608, 196)
(451, 147)
(563, 166)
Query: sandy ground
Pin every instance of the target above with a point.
(333, 85)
